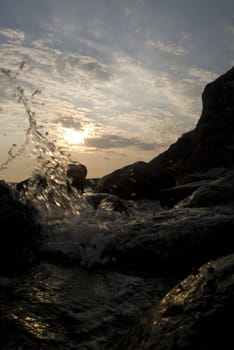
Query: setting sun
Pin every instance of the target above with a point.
(74, 137)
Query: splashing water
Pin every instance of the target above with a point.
(71, 225)
(51, 160)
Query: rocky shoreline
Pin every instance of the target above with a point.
(188, 244)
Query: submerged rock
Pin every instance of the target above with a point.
(198, 314)
(107, 201)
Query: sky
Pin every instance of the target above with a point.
(111, 82)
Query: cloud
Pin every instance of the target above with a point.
(120, 102)
(12, 35)
(98, 70)
(127, 11)
(69, 79)
(116, 141)
(230, 27)
(169, 48)
(204, 76)
(69, 122)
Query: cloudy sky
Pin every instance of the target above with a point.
(109, 81)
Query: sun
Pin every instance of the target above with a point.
(74, 137)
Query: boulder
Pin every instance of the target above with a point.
(77, 172)
(136, 181)
(212, 174)
(219, 192)
(197, 314)
(169, 197)
(172, 242)
(20, 232)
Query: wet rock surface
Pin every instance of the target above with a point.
(219, 192)
(105, 200)
(198, 313)
(173, 241)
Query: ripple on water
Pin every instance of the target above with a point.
(72, 307)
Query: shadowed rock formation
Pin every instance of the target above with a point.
(20, 232)
(136, 181)
(211, 143)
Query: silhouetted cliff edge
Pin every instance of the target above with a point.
(210, 145)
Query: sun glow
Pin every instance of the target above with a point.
(75, 137)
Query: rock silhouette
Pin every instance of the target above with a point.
(209, 145)
(77, 172)
(20, 232)
(136, 181)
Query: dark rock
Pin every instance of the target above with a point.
(211, 143)
(77, 172)
(90, 184)
(203, 192)
(211, 174)
(136, 181)
(172, 195)
(38, 181)
(20, 233)
(107, 201)
(215, 193)
(94, 199)
(176, 155)
(114, 203)
(76, 177)
(198, 314)
(172, 242)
